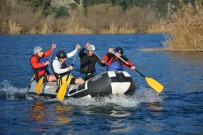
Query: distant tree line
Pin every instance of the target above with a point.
(160, 6)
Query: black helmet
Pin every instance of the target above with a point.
(61, 54)
(119, 49)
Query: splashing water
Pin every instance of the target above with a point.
(142, 95)
(9, 92)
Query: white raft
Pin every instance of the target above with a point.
(107, 83)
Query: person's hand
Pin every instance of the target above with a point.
(133, 67)
(78, 46)
(70, 68)
(102, 61)
(53, 46)
(111, 50)
(87, 45)
(47, 63)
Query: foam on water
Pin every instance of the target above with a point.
(142, 95)
(10, 92)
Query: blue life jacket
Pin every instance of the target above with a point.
(42, 61)
(115, 66)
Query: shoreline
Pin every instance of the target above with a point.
(168, 50)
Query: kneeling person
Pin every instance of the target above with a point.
(60, 68)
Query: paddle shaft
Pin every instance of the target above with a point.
(51, 54)
(151, 82)
(127, 64)
(71, 65)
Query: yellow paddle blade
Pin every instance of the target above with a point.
(39, 85)
(154, 84)
(63, 88)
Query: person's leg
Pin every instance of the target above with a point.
(51, 78)
(79, 81)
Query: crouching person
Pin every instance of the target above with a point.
(60, 68)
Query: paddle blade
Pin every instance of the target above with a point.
(63, 88)
(154, 84)
(39, 85)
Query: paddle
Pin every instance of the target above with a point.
(151, 82)
(63, 88)
(41, 80)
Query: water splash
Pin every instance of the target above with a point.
(141, 96)
(9, 92)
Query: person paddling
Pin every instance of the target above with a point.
(39, 64)
(88, 61)
(60, 68)
(114, 63)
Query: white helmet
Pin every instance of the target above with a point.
(91, 48)
(37, 49)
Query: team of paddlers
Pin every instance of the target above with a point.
(112, 60)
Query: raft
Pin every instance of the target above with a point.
(106, 83)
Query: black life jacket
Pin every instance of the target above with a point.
(63, 66)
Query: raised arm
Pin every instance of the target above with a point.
(81, 53)
(71, 54)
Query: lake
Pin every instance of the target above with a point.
(177, 110)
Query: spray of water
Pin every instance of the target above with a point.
(9, 92)
(142, 95)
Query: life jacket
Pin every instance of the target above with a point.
(37, 70)
(42, 60)
(63, 66)
(115, 65)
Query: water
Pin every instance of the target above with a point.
(177, 110)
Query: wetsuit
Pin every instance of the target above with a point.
(87, 64)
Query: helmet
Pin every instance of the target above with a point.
(119, 49)
(61, 55)
(91, 48)
(37, 49)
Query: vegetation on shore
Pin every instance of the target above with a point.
(184, 28)
(96, 19)
(181, 23)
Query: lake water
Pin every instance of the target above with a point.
(177, 110)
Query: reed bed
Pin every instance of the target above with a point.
(97, 19)
(184, 30)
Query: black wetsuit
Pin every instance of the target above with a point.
(87, 63)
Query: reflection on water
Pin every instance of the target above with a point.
(42, 114)
(183, 72)
(196, 57)
(114, 116)
(61, 109)
(155, 107)
(37, 110)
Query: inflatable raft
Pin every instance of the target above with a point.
(107, 83)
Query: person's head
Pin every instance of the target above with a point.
(38, 51)
(61, 55)
(90, 50)
(119, 51)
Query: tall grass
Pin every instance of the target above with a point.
(95, 20)
(184, 28)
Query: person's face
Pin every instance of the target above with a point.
(90, 53)
(40, 53)
(118, 54)
(62, 60)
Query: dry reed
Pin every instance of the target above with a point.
(185, 27)
(93, 20)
